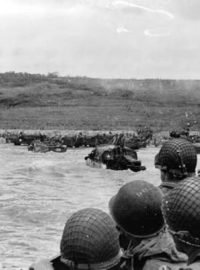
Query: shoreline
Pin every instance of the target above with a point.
(84, 132)
(57, 132)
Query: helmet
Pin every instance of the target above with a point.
(106, 156)
(90, 238)
(181, 207)
(136, 208)
(177, 154)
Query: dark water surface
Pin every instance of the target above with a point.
(39, 191)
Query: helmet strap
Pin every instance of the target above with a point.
(183, 167)
(92, 266)
(176, 174)
(131, 235)
(186, 238)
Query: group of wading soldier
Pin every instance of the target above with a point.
(149, 228)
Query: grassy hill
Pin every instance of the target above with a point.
(35, 101)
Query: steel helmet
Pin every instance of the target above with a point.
(106, 156)
(181, 209)
(136, 209)
(177, 154)
(90, 239)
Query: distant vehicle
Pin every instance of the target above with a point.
(23, 139)
(179, 133)
(43, 147)
(114, 157)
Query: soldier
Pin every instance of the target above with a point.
(181, 208)
(89, 242)
(136, 209)
(176, 160)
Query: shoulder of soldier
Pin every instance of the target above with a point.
(193, 266)
(167, 267)
(42, 265)
(156, 264)
(49, 264)
(172, 267)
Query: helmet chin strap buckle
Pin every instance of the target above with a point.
(178, 174)
(182, 164)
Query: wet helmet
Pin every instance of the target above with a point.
(90, 239)
(177, 154)
(181, 208)
(136, 209)
(106, 156)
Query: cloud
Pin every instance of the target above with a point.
(16, 7)
(156, 33)
(87, 37)
(122, 29)
(188, 9)
(124, 5)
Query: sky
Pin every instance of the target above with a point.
(101, 38)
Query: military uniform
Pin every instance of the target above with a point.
(156, 253)
(194, 262)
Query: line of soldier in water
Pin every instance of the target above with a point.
(136, 140)
(148, 228)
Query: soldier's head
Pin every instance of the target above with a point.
(181, 209)
(90, 241)
(136, 209)
(177, 159)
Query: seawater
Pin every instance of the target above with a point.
(39, 191)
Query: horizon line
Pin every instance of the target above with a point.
(56, 74)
